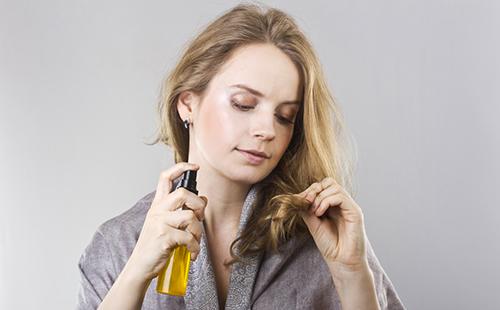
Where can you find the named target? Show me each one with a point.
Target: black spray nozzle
(188, 181)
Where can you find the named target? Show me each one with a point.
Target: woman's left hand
(336, 224)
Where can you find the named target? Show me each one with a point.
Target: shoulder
(115, 239)
(105, 255)
(130, 220)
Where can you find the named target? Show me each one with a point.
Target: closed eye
(282, 119)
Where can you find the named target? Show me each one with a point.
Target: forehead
(263, 67)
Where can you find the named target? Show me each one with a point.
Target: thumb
(311, 220)
(302, 195)
(200, 213)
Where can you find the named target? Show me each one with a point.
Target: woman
(273, 230)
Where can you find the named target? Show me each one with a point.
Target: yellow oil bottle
(173, 278)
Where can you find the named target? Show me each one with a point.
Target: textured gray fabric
(201, 292)
(295, 278)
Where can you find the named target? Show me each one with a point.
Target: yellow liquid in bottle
(173, 278)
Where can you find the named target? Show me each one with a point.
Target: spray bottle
(173, 278)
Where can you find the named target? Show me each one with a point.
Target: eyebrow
(259, 94)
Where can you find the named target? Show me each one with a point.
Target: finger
(182, 237)
(317, 187)
(330, 201)
(313, 190)
(168, 176)
(328, 181)
(200, 213)
(188, 200)
(195, 228)
(301, 195)
(181, 197)
(328, 191)
(180, 219)
(304, 193)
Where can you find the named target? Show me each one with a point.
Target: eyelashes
(244, 108)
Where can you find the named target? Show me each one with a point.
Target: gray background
(417, 81)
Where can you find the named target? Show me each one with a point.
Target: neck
(225, 201)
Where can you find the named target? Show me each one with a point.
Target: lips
(254, 159)
(256, 153)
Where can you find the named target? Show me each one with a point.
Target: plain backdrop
(417, 81)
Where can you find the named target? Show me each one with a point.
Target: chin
(249, 174)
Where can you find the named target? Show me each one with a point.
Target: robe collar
(201, 291)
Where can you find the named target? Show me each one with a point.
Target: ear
(186, 104)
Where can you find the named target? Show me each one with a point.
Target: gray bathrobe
(296, 278)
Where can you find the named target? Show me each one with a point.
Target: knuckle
(164, 174)
(163, 231)
(178, 220)
(192, 216)
(175, 197)
(181, 193)
(176, 236)
(329, 180)
(153, 217)
(320, 196)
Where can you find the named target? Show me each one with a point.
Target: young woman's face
(251, 104)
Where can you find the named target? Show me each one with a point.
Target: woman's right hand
(167, 225)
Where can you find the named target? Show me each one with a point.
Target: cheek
(218, 130)
(283, 141)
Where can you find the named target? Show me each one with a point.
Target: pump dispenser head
(188, 181)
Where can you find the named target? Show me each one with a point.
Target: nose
(263, 126)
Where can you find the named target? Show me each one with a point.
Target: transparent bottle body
(173, 278)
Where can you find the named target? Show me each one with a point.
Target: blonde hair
(320, 146)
